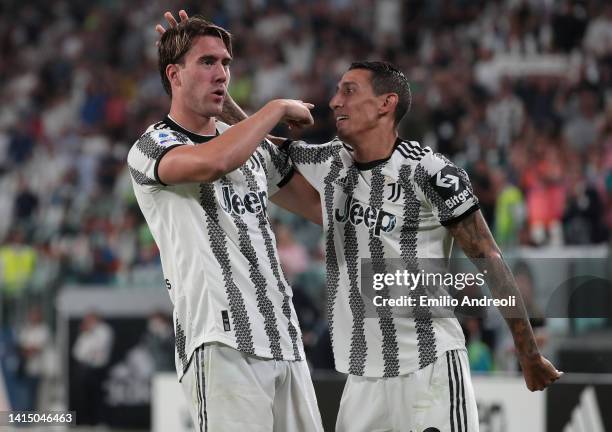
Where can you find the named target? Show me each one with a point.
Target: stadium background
(519, 93)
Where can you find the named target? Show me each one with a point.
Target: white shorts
(437, 398)
(230, 391)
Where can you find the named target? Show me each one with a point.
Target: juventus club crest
(253, 163)
(394, 192)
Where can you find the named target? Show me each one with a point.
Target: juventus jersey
(218, 250)
(393, 208)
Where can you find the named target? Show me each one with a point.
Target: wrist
(278, 107)
(529, 357)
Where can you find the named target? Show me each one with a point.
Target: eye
(208, 61)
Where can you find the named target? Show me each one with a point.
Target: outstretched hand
(171, 21)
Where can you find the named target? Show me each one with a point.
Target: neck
(374, 145)
(192, 121)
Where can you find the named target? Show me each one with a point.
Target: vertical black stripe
(390, 348)
(140, 177)
(264, 227)
(218, 240)
(196, 360)
(426, 338)
(457, 398)
(264, 305)
(450, 392)
(462, 392)
(180, 342)
(359, 348)
(280, 160)
(203, 372)
(331, 260)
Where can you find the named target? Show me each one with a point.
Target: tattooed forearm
(474, 237)
(232, 113)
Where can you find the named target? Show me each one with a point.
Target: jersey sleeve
(445, 188)
(313, 161)
(279, 168)
(145, 155)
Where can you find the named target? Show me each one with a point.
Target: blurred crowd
(518, 92)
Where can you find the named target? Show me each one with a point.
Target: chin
(213, 110)
(343, 136)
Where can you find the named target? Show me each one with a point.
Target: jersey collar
(195, 137)
(363, 166)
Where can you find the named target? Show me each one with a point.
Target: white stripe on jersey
(218, 249)
(404, 188)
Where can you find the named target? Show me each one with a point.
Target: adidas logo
(586, 417)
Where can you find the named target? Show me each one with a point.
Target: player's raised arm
(228, 151)
(474, 237)
(297, 196)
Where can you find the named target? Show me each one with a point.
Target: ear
(172, 72)
(389, 103)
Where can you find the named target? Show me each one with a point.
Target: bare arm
(232, 114)
(299, 197)
(474, 237)
(228, 151)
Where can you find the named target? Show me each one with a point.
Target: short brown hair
(177, 41)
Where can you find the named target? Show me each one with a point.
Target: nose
(222, 73)
(335, 102)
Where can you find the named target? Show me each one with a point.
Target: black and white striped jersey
(218, 250)
(392, 208)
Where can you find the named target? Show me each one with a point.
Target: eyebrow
(346, 84)
(207, 57)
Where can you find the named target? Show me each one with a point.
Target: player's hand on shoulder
(171, 21)
(539, 373)
(296, 113)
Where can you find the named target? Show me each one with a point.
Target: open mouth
(340, 118)
(220, 93)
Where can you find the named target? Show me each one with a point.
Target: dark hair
(177, 41)
(386, 78)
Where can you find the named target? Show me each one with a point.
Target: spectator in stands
(479, 353)
(34, 342)
(582, 219)
(158, 340)
(91, 352)
(17, 263)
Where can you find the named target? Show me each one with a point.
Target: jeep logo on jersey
(251, 202)
(449, 184)
(356, 213)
